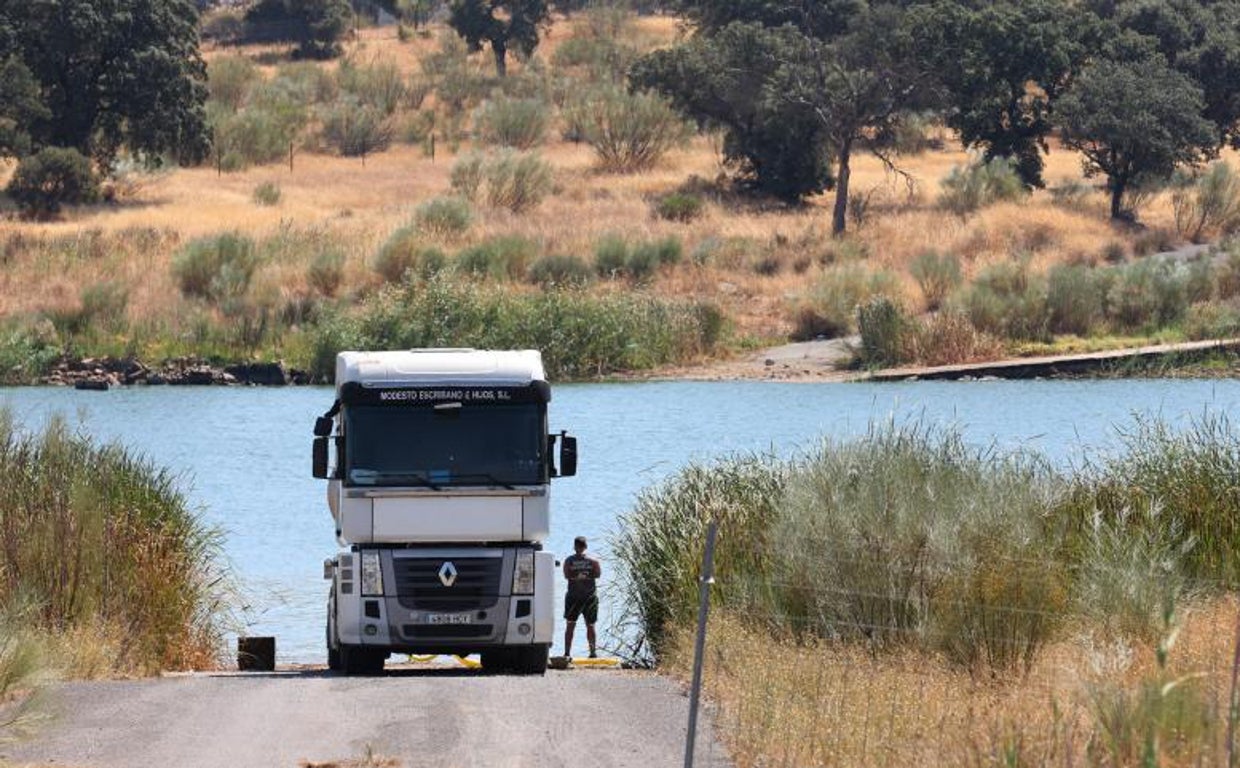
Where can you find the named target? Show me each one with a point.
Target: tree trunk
(1117, 199)
(839, 217)
(500, 49)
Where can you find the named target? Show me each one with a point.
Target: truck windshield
(446, 445)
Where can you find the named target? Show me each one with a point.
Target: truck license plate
(450, 618)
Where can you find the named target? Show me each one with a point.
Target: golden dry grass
(774, 251)
(788, 703)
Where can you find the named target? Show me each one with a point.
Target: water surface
(244, 453)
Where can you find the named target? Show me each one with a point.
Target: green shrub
(1076, 298)
(830, 307)
(501, 258)
(403, 254)
(457, 86)
(560, 270)
(447, 217)
(326, 271)
(1178, 485)
(1212, 320)
(611, 253)
(937, 275)
(1208, 203)
(599, 60)
(981, 183)
(506, 179)
(517, 182)
(378, 85)
(111, 548)
(267, 193)
(1146, 295)
(262, 132)
(103, 306)
(311, 83)
(679, 206)
(229, 79)
(517, 123)
(26, 353)
(1006, 301)
(356, 130)
(659, 545)
(883, 328)
(580, 335)
(216, 268)
(629, 132)
(467, 176)
(51, 178)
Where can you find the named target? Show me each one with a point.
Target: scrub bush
(1007, 301)
(560, 270)
(679, 206)
(446, 217)
(267, 193)
(216, 268)
(326, 272)
(517, 123)
(629, 132)
(229, 79)
(1209, 203)
(378, 85)
(356, 130)
(830, 307)
(501, 258)
(51, 178)
(1076, 298)
(1147, 295)
(507, 179)
(980, 184)
(937, 275)
(884, 329)
(404, 252)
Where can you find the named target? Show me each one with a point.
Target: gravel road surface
(413, 717)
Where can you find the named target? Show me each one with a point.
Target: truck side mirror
(319, 458)
(323, 426)
(568, 456)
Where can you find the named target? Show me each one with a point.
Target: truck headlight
(523, 573)
(372, 574)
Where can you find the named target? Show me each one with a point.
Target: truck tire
(358, 660)
(497, 661)
(532, 660)
(333, 652)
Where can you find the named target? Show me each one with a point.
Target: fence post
(699, 647)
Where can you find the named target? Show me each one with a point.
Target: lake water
(244, 453)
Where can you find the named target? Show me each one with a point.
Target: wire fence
(918, 674)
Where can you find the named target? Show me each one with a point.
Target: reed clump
(905, 597)
(581, 335)
(99, 545)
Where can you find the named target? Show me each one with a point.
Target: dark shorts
(576, 606)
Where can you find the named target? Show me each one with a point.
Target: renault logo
(447, 573)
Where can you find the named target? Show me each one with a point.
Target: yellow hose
(596, 662)
(468, 662)
(421, 659)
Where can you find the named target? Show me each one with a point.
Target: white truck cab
(439, 464)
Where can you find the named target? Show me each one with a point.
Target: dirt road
(414, 717)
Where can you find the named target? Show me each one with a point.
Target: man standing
(582, 571)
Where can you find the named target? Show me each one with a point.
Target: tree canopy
(503, 24)
(1135, 121)
(108, 74)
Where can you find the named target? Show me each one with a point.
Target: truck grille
(419, 588)
(446, 631)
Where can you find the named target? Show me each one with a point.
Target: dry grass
(359, 205)
(790, 703)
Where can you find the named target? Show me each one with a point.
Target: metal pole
(699, 648)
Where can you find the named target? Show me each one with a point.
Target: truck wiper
(408, 479)
(489, 478)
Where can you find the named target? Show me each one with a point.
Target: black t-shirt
(581, 582)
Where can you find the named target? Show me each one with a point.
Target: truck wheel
(333, 653)
(532, 660)
(356, 660)
(497, 661)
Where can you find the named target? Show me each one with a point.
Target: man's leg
(590, 638)
(569, 628)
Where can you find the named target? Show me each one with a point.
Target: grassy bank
(103, 563)
(321, 233)
(904, 598)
